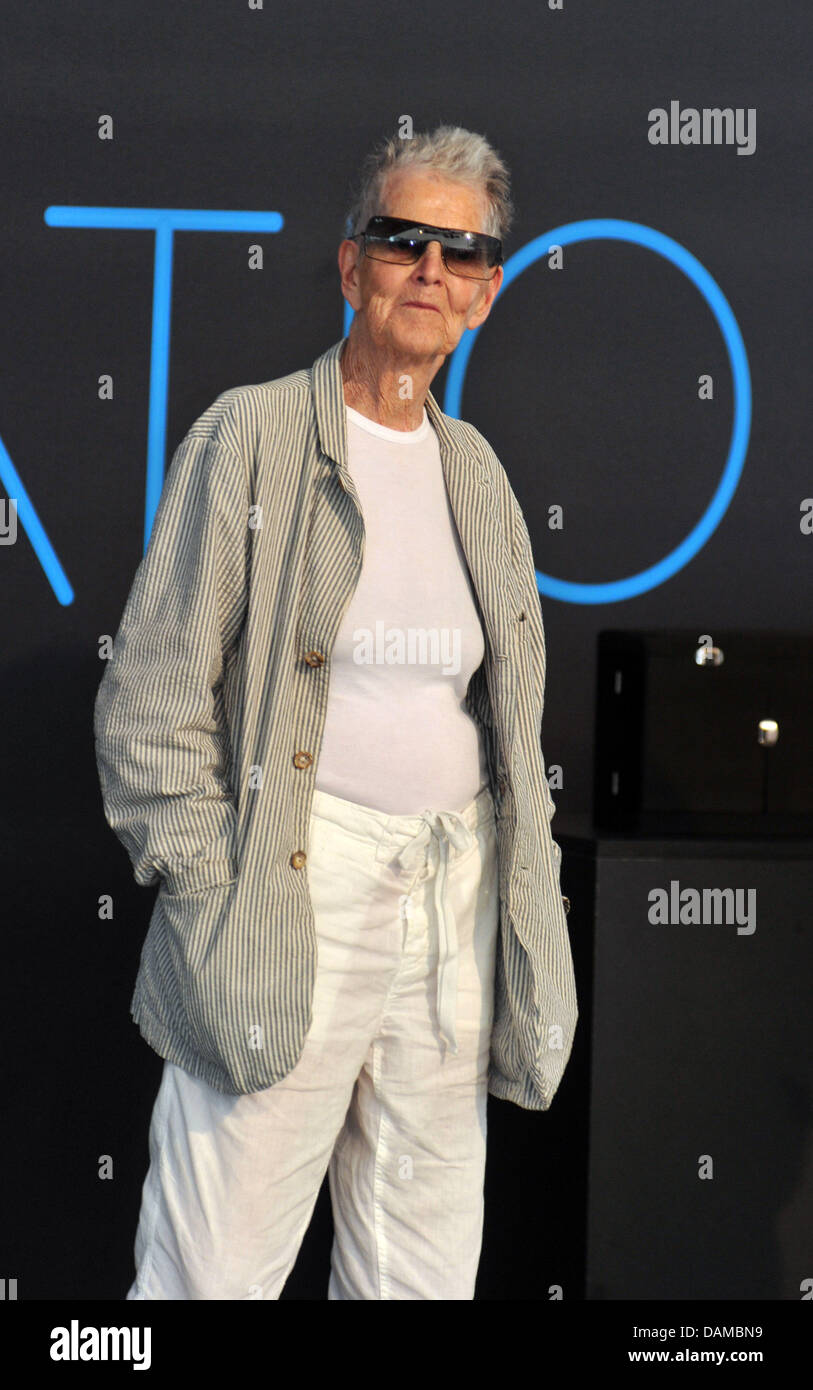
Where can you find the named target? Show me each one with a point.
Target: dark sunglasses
(402, 242)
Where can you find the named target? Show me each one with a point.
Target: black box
(684, 743)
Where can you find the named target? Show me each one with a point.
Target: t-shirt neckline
(386, 432)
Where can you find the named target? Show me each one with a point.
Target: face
(387, 295)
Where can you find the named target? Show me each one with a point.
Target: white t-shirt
(397, 735)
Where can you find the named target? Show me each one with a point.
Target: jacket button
(298, 858)
(314, 658)
(303, 759)
(566, 903)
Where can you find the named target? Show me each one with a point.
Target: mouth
(414, 304)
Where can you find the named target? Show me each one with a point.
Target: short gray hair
(448, 152)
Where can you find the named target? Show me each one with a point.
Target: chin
(419, 336)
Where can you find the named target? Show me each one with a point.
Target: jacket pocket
(192, 947)
(194, 921)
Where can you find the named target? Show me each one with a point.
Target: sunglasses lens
(468, 261)
(400, 249)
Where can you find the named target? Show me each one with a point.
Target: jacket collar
(331, 418)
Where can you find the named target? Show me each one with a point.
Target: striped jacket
(209, 719)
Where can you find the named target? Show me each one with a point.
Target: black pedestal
(700, 1086)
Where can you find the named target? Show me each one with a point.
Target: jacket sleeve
(162, 754)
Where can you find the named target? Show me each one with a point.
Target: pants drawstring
(439, 830)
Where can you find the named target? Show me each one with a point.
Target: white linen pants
(389, 1095)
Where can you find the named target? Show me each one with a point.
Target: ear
(348, 258)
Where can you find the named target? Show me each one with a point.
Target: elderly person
(319, 731)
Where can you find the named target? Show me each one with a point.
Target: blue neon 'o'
(603, 228)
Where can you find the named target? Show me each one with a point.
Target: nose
(430, 264)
